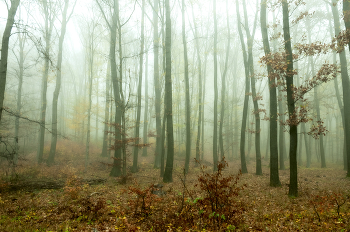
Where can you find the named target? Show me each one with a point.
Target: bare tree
(65, 19)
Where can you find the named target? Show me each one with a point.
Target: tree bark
(187, 91)
(22, 40)
(274, 176)
(293, 130)
(4, 51)
(316, 100)
(107, 110)
(138, 116)
(246, 97)
(56, 93)
(200, 92)
(250, 39)
(168, 173)
(343, 62)
(346, 89)
(215, 133)
(157, 89)
(223, 85)
(145, 115)
(49, 21)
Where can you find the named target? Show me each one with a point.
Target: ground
(112, 206)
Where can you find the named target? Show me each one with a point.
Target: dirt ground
(323, 203)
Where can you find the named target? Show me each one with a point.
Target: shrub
(218, 206)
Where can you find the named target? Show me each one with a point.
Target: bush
(218, 207)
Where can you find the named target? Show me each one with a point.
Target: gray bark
(58, 84)
(4, 50)
(168, 173)
(215, 133)
(274, 176)
(138, 116)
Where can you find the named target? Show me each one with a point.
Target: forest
(174, 115)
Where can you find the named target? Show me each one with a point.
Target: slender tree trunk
(346, 89)
(48, 30)
(157, 89)
(246, 97)
(145, 115)
(116, 170)
(215, 133)
(168, 173)
(56, 93)
(343, 65)
(200, 92)
(22, 40)
(138, 116)
(316, 100)
(187, 91)
(274, 176)
(223, 84)
(107, 110)
(254, 94)
(91, 76)
(293, 185)
(4, 51)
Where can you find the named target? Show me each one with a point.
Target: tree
(293, 130)
(274, 176)
(255, 97)
(157, 89)
(56, 93)
(104, 152)
(246, 96)
(168, 173)
(335, 30)
(112, 26)
(145, 115)
(223, 84)
(11, 13)
(215, 133)
(346, 88)
(20, 58)
(200, 90)
(137, 126)
(316, 100)
(187, 91)
(49, 10)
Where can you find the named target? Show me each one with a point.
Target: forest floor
(323, 203)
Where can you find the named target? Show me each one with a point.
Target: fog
(87, 110)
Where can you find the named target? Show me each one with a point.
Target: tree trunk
(346, 89)
(157, 89)
(246, 96)
(107, 110)
(116, 170)
(48, 30)
(168, 174)
(187, 91)
(138, 116)
(145, 115)
(274, 176)
(56, 93)
(215, 133)
(22, 40)
(316, 101)
(343, 65)
(293, 130)
(91, 76)
(4, 51)
(200, 92)
(250, 39)
(223, 84)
